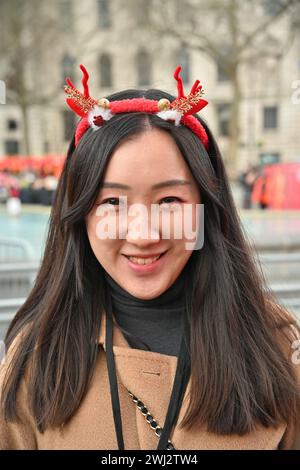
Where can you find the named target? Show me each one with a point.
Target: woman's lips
(147, 268)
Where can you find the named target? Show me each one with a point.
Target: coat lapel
(149, 376)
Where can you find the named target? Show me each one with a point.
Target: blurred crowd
(33, 181)
(29, 186)
(274, 186)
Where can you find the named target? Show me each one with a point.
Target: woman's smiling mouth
(145, 263)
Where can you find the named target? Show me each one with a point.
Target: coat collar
(121, 347)
(118, 337)
(150, 375)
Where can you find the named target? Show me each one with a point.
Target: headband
(95, 113)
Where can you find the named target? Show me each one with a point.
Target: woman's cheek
(107, 226)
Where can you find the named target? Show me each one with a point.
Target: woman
(115, 351)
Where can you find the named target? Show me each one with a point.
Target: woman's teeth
(143, 260)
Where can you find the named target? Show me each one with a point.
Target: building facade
(120, 52)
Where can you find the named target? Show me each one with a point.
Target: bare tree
(27, 31)
(231, 33)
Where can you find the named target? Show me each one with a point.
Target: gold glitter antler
(188, 104)
(80, 103)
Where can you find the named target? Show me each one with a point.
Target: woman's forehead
(153, 154)
(150, 142)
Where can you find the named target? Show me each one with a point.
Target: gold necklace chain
(150, 419)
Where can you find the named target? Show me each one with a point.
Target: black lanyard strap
(112, 375)
(179, 385)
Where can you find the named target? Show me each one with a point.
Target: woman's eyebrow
(162, 184)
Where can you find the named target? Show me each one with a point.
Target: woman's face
(135, 181)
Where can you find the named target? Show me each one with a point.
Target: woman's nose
(143, 228)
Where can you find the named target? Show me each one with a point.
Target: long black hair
(240, 373)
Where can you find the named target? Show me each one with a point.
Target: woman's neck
(154, 323)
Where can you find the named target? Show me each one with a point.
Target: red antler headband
(94, 113)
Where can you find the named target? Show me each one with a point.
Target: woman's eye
(114, 201)
(170, 197)
(108, 200)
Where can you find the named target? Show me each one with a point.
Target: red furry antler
(192, 103)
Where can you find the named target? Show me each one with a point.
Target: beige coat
(149, 376)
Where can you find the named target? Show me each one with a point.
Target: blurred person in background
(247, 180)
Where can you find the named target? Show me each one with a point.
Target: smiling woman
(155, 172)
(115, 348)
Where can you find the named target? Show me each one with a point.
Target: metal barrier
(9, 307)
(282, 271)
(15, 249)
(16, 279)
(7, 312)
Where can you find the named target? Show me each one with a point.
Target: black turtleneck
(154, 324)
